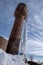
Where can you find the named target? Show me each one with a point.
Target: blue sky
(34, 43)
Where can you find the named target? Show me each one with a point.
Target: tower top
(21, 10)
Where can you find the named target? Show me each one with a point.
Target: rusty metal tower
(14, 40)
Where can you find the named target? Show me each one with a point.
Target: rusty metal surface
(14, 40)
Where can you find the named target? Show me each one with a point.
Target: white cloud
(34, 47)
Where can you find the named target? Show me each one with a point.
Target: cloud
(35, 20)
(34, 47)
